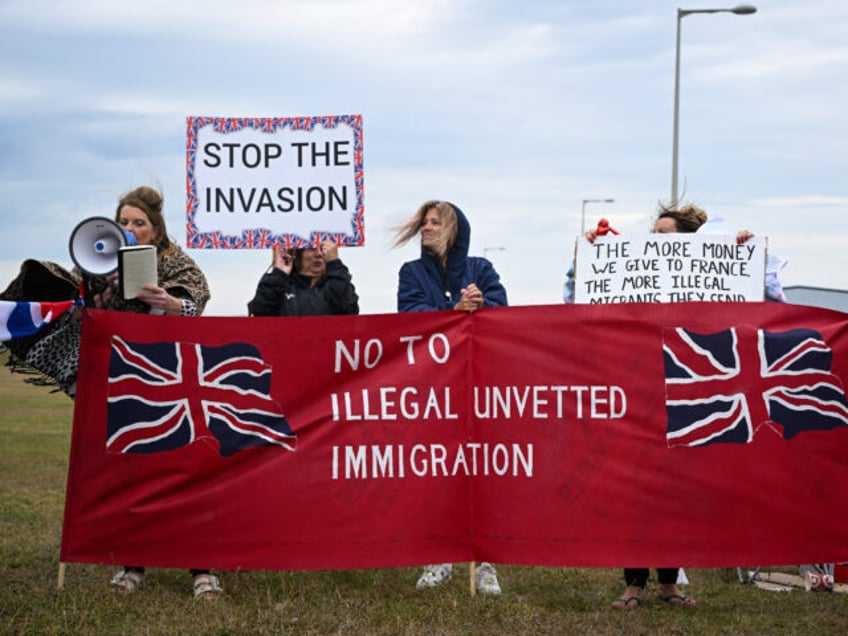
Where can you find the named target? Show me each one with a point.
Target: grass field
(35, 430)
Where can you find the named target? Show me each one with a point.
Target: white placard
(258, 182)
(663, 268)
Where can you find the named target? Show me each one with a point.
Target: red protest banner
(693, 434)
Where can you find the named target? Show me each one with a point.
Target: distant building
(818, 297)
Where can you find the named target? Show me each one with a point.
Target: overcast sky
(516, 111)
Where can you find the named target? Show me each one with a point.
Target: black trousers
(135, 568)
(639, 576)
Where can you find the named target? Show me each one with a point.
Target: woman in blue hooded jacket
(445, 277)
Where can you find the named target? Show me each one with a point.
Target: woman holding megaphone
(181, 289)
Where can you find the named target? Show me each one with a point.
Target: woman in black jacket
(305, 282)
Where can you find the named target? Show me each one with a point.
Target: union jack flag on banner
(165, 395)
(721, 387)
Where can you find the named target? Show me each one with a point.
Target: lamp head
(744, 9)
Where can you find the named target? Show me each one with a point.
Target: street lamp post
(742, 9)
(583, 211)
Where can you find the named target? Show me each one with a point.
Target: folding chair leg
(750, 577)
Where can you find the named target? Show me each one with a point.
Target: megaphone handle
(87, 291)
(90, 289)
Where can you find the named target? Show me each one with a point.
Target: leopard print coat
(53, 353)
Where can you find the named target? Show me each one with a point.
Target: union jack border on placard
(264, 238)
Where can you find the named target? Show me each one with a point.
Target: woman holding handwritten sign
(686, 219)
(689, 219)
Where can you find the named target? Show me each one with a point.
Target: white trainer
(487, 579)
(434, 575)
(127, 581)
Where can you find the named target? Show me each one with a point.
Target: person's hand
(330, 251)
(472, 299)
(104, 298)
(591, 235)
(282, 259)
(159, 299)
(743, 235)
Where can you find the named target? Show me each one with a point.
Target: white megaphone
(94, 245)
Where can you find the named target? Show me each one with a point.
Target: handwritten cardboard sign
(259, 182)
(663, 268)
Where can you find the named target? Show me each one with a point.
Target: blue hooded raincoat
(424, 286)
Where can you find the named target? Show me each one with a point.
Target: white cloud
(17, 90)
(267, 19)
(803, 201)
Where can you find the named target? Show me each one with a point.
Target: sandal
(207, 586)
(679, 599)
(626, 603)
(127, 581)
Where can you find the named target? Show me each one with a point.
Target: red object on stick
(604, 228)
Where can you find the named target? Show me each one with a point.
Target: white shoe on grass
(487, 579)
(434, 575)
(127, 581)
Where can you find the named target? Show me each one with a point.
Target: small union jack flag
(721, 387)
(20, 318)
(215, 240)
(166, 395)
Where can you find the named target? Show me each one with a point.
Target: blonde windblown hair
(447, 214)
